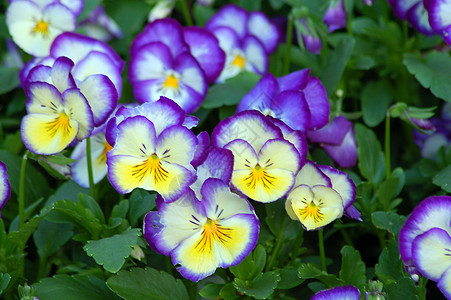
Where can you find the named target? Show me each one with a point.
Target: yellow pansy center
(60, 124)
(258, 176)
(151, 166)
(41, 27)
(106, 147)
(171, 82)
(311, 211)
(239, 61)
(212, 232)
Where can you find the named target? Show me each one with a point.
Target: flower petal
(261, 27)
(5, 187)
(202, 149)
(318, 103)
(340, 293)
(279, 154)
(431, 253)
(230, 16)
(341, 183)
(261, 95)
(418, 17)
(61, 74)
(311, 175)
(333, 133)
(439, 12)
(444, 284)
(294, 81)
(43, 98)
(150, 62)
(292, 108)
(176, 145)
(256, 56)
(79, 110)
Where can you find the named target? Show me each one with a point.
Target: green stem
(286, 63)
(22, 190)
(422, 284)
(387, 147)
(346, 237)
(276, 250)
(186, 13)
(90, 174)
(322, 253)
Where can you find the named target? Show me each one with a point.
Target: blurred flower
(161, 10)
(5, 188)
(298, 99)
(200, 235)
(338, 140)
(145, 157)
(335, 17)
(54, 119)
(425, 242)
(349, 292)
(34, 25)
(246, 38)
(12, 56)
(161, 65)
(265, 164)
(100, 26)
(307, 34)
(438, 13)
(415, 13)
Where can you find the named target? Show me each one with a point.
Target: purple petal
(261, 95)
(332, 134)
(400, 7)
(294, 81)
(25, 71)
(318, 103)
(39, 73)
(202, 149)
(256, 56)
(249, 125)
(149, 62)
(167, 31)
(151, 228)
(446, 33)
(341, 292)
(291, 107)
(205, 48)
(5, 187)
(444, 284)
(76, 6)
(419, 19)
(218, 164)
(431, 212)
(335, 17)
(190, 121)
(259, 26)
(438, 11)
(345, 154)
(312, 43)
(230, 16)
(341, 183)
(227, 38)
(61, 74)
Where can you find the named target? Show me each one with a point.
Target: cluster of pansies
(428, 17)
(425, 242)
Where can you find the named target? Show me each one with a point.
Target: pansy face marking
(41, 27)
(314, 207)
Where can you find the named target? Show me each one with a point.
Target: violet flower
(307, 34)
(335, 17)
(5, 188)
(100, 26)
(349, 292)
(298, 99)
(338, 140)
(415, 13)
(439, 17)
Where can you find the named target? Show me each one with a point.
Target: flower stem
(90, 174)
(276, 250)
(22, 190)
(322, 253)
(387, 146)
(286, 63)
(186, 13)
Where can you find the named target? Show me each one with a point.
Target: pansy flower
(439, 17)
(265, 164)
(161, 65)
(335, 17)
(200, 235)
(425, 242)
(415, 13)
(349, 292)
(246, 38)
(54, 119)
(5, 188)
(145, 157)
(34, 25)
(100, 26)
(308, 36)
(298, 99)
(338, 140)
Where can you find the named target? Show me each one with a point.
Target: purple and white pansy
(247, 39)
(425, 242)
(34, 24)
(415, 13)
(297, 99)
(440, 17)
(349, 292)
(5, 188)
(200, 235)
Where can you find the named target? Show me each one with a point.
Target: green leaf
(228, 292)
(202, 14)
(231, 91)
(279, 223)
(352, 267)
(387, 191)
(75, 287)
(289, 278)
(49, 237)
(402, 290)
(310, 271)
(111, 252)
(252, 265)
(388, 220)
(442, 179)
(147, 284)
(250, 5)
(376, 97)
(9, 77)
(390, 266)
(371, 158)
(67, 191)
(211, 290)
(120, 210)
(88, 7)
(261, 287)
(433, 71)
(92, 205)
(141, 202)
(4, 281)
(335, 62)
